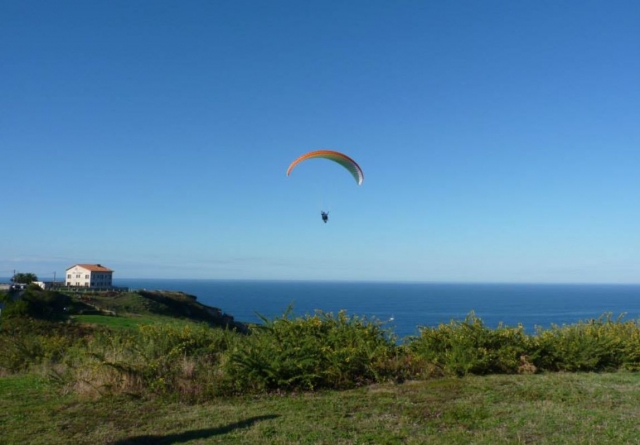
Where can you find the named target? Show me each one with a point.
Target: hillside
(178, 305)
(141, 305)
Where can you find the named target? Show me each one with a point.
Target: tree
(24, 278)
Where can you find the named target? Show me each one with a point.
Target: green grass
(127, 321)
(506, 409)
(128, 302)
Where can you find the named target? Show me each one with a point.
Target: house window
(68, 275)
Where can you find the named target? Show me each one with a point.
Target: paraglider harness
(325, 216)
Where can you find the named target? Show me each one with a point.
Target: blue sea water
(406, 306)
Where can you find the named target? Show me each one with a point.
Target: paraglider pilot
(325, 216)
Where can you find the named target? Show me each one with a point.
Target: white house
(89, 275)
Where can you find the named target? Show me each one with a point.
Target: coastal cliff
(173, 304)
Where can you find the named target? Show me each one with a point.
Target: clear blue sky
(500, 140)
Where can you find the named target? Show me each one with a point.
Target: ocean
(404, 307)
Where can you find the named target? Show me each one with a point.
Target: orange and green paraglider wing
(334, 156)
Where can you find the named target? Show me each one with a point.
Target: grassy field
(558, 408)
(126, 321)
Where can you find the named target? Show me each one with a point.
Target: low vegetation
(165, 349)
(548, 408)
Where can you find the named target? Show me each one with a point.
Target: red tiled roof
(92, 267)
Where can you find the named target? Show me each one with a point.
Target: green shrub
(311, 352)
(168, 359)
(26, 343)
(195, 362)
(36, 303)
(15, 309)
(469, 347)
(595, 345)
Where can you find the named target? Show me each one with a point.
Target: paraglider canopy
(334, 156)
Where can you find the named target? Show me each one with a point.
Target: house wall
(81, 277)
(77, 276)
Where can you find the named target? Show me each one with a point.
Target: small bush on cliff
(36, 303)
